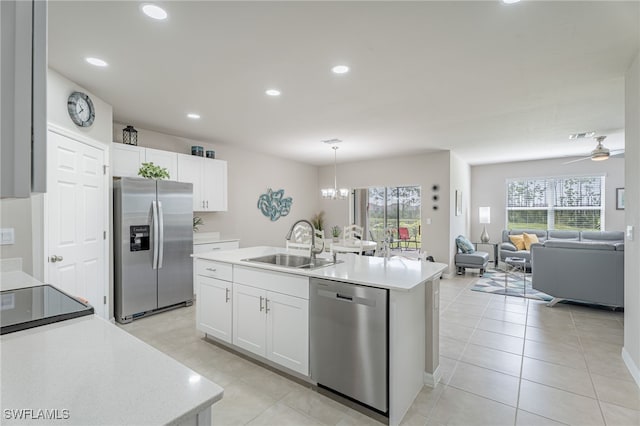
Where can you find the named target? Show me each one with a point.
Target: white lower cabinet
(263, 312)
(272, 325)
(288, 331)
(249, 319)
(214, 307)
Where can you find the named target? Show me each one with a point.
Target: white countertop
(396, 273)
(100, 373)
(210, 237)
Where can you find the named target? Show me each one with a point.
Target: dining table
(350, 246)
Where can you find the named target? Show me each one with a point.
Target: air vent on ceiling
(582, 135)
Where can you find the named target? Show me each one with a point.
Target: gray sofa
(507, 249)
(588, 269)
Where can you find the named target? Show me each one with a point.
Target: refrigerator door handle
(161, 227)
(154, 220)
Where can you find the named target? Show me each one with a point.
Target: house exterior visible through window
(556, 203)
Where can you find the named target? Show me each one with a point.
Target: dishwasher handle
(347, 299)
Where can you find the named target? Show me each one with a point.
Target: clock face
(80, 108)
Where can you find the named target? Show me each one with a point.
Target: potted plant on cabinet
(317, 220)
(152, 171)
(335, 233)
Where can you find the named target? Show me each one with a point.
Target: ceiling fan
(600, 152)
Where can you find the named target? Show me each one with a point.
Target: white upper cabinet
(190, 170)
(215, 185)
(166, 159)
(208, 176)
(126, 159)
(209, 179)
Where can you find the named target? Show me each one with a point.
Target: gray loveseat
(589, 268)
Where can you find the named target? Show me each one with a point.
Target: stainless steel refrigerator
(153, 228)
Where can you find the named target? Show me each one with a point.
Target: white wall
(631, 350)
(250, 175)
(25, 215)
(16, 214)
(460, 176)
(488, 186)
(424, 170)
(58, 90)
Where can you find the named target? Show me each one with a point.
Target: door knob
(55, 258)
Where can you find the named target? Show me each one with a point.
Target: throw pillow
(464, 244)
(518, 241)
(529, 239)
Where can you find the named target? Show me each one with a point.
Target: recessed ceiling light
(510, 1)
(155, 12)
(97, 62)
(193, 116)
(272, 92)
(340, 69)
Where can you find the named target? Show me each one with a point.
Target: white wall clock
(81, 110)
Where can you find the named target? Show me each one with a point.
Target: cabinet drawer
(210, 268)
(293, 285)
(227, 245)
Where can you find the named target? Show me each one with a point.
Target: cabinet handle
(266, 305)
(207, 203)
(203, 204)
(261, 307)
(226, 295)
(211, 269)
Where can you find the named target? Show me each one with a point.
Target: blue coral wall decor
(273, 204)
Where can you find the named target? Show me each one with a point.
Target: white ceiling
(490, 81)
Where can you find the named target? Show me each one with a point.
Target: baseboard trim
(631, 366)
(432, 380)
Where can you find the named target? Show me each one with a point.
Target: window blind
(562, 203)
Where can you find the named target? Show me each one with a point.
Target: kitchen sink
(292, 261)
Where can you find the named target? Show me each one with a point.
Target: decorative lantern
(130, 136)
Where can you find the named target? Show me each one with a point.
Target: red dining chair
(405, 238)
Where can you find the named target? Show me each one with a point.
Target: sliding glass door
(398, 209)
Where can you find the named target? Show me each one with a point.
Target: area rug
(493, 282)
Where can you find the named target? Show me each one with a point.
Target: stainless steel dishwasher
(349, 349)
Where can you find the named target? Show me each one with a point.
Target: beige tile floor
(505, 360)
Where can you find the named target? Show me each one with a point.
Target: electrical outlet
(7, 236)
(630, 232)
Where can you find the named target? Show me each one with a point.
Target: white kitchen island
(227, 282)
(87, 371)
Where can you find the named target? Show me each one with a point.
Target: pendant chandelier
(334, 193)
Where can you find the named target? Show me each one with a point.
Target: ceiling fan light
(600, 157)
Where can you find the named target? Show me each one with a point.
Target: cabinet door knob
(226, 295)
(261, 307)
(266, 305)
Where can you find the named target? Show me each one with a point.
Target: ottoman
(475, 260)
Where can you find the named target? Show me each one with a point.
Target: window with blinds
(562, 203)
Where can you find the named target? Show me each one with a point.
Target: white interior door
(76, 211)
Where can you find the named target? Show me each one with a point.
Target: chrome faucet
(314, 250)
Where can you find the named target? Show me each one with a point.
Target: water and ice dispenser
(139, 237)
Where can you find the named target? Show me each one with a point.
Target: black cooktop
(30, 307)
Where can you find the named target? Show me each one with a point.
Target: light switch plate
(7, 236)
(630, 232)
